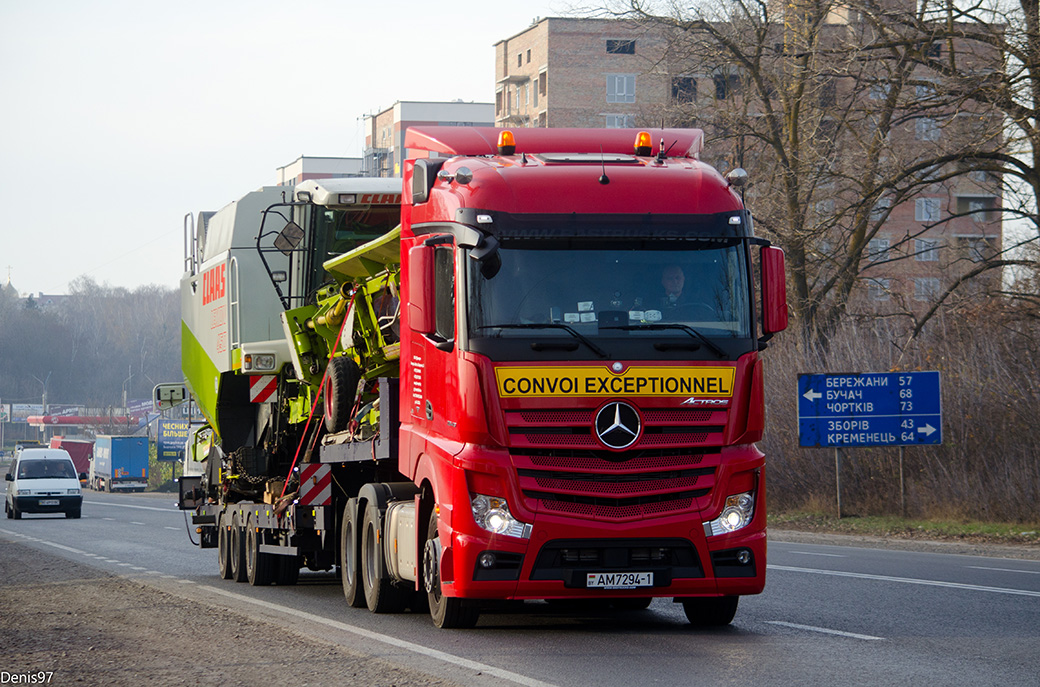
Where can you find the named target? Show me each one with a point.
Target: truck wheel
(259, 565)
(447, 612)
(224, 552)
(74, 514)
(340, 389)
(286, 570)
(381, 594)
(711, 612)
(348, 557)
(237, 553)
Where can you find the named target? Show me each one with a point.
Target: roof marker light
(506, 143)
(644, 144)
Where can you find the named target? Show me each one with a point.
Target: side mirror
(289, 238)
(9, 477)
(421, 306)
(774, 292)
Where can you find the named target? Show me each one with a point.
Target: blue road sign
(869, 409)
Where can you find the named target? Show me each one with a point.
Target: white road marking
(134, 522)
(386, 639)
(816, 553)
(138, 568)
(823, 630)
(908, 580)
(127, 505)
(1027, 572)
(175, 529)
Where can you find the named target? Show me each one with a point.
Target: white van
(43, 480)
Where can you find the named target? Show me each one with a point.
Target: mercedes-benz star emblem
(617, 425)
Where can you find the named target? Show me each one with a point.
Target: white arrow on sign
(927, 430)
(812, 395)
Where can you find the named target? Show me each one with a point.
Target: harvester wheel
(340, 389)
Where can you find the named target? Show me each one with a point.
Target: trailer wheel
(340, 389)
(381, 594)
(237, 553)
(259, 566)
(224, 552)
(447, 612)
(711, 612)
(349, 551)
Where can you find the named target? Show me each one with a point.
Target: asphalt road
(829, 615)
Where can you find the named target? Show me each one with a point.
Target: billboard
(172, 436)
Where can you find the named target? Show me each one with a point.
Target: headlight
(23, 492)
(258, 361)
(492, 514)
(736, 514)
(73, 492)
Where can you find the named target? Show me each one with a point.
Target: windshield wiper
(685, 327)
(565, 327)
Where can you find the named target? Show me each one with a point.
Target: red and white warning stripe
(263, 388)
(315, 485)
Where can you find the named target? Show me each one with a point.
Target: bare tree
(842, 118)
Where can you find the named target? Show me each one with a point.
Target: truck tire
(224, 552)
(711, 612)
(286, 570)
(237, 551)
(75, 514)
(259, 566)
(340, 390)
(381, 594)
(349, 555)
(447, 612)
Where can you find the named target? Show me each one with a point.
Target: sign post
(869, 409)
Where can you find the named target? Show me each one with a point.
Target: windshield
(338, 230)
(608, 289)
(46, 469)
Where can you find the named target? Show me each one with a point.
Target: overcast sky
(119, 118)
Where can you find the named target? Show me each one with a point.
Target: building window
(926, 250)
(926, 288)
(726, 85)
(498, 102)
(926, 209)
(879, 289)
(880, 91)
(975, 248)
(543, 83)
(877, 249)
(620, 121)
(543, 119)
(520, 59)
(620, 47)
(926, 129)
(979, 208)
(684, 89)
(528, 57)
(880, 209)
(621, 88)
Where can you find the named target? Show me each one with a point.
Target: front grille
(562, 467)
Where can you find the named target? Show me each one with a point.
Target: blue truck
(120, 463)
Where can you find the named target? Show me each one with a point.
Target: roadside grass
(904, 528)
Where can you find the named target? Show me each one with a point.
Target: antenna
(603, 179)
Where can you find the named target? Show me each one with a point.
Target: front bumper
(48, 504)
(560, 557)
